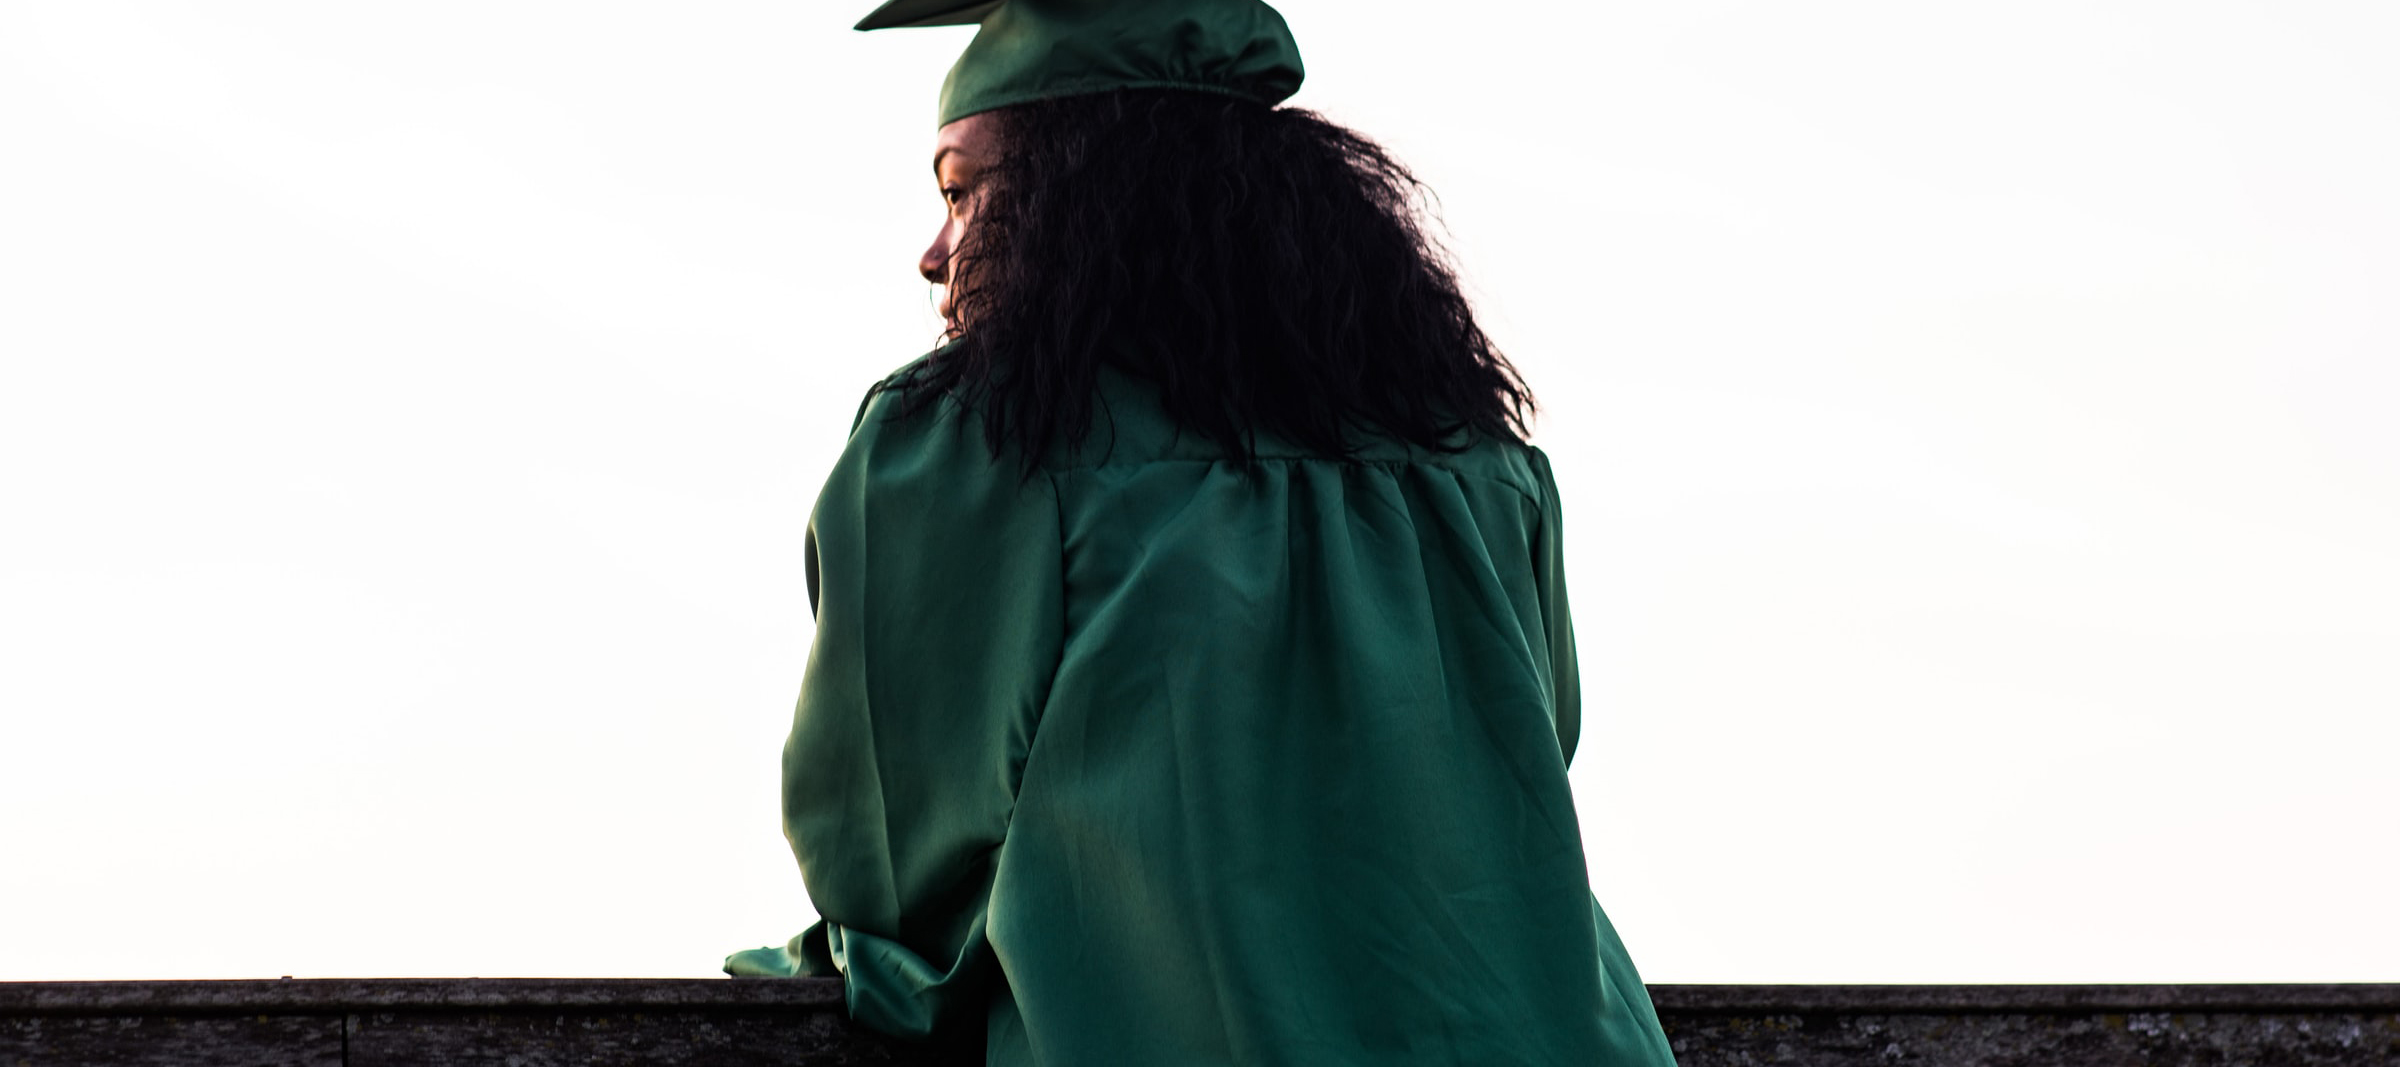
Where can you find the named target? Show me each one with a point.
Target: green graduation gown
(1147, 760)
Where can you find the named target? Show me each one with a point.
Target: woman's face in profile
(961, 154)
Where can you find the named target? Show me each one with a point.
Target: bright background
(1975, 420)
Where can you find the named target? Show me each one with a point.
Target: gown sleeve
(1550, 584)
(934, 574)
(1629, 1029)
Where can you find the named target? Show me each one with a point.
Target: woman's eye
(951, 194)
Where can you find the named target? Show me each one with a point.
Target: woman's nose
(935, 263)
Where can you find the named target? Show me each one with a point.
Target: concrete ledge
(402, 1022)
(2020, 999)
(533, 1022)
(2033, 1025)
(337, 996)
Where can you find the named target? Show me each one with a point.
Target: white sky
(1974, 419)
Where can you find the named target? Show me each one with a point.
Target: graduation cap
(1029, 50)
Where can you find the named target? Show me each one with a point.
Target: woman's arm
(1550, 583)
(934, 575)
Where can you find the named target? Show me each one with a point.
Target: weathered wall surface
(2033, 1026)
(421, 1022)
(737, 1023)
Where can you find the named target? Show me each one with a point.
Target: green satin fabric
(1146, 760)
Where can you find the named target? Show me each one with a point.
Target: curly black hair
(1267, 269)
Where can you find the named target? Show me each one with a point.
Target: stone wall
(740, 1022)
(2033, 1026)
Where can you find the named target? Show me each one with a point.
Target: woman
(1193, 680)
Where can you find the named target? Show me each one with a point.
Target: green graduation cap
(1030, 50)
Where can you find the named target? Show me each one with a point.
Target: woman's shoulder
(905, 427)
(888, 392)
